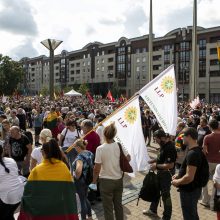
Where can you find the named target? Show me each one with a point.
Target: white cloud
(80, 22)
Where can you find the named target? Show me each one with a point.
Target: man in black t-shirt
(188, 180)
(20, 149)
(164, 164)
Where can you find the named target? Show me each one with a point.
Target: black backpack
(29, 135)
(89, 174)
(150, 190)
(203, 171)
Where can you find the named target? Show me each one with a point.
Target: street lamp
(51, 45)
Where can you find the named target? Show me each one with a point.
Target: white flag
(4, 99)
(130, 134)
(161, 96)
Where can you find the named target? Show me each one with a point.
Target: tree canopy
(11, 74)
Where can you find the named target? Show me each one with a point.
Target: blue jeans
(189, 202)
(82, 190)
(164, 179)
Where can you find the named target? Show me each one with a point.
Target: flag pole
(194, 54)
(150, 43)
(112, 114)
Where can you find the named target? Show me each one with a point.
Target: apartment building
(123, 65)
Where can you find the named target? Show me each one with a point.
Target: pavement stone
(133, 212)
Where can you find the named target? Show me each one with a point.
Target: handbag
(124, 163)
(216, 202)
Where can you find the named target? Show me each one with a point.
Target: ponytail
(1, 160)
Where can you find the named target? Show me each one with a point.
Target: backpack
(203, 171)
(29, 135)
(89, 174)
(150, 190)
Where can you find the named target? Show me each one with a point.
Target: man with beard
(165, 166)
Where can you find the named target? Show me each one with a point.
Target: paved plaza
(132, 211)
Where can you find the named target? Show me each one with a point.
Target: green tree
(83, 88)
(11, 75)
(44, 91)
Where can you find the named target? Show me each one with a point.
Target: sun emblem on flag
(168, 84)
(131, 115)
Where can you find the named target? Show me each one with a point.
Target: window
(88, 63)
(137, 50)
(121, 50)
(167, 57)
(103, 53)
(57, 74)
(157, 58)
(184, 46)
(77, 71)
(202, 53)
(129, 49)
(143, 68)
(72, 65)
(121, 59)
(78, 65)
(213, 51)
(110, 67)
(138, 60)
(157, 48)
(103, 61)
(57, 67)
(32, 69)
(214, 39)
(57, 80)
(144, 50)
(97, 54)
(32, 74)
(138, 68)
(88, 55)
(84, 70)
(72, 79)
(97, 61)
(97, 68)
(103, 68)
(84, 56)
(214, 73)
(72, 72)
(84, 63)
(167, 48)
(214, 62)
(144, 59)
(88, 70)
(110, 59)
(202, 43)
(156, 67)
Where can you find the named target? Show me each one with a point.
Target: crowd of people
(66, 183)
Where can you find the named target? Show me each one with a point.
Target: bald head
(15, 132)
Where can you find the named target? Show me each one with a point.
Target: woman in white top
(11, 187)
(36, 155)
(68, 136)
(216, 179)
(107, 168)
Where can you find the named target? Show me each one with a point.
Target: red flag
(110, 97)
(61, 93)
(89, 97)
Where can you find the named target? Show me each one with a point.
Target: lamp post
(51, 45)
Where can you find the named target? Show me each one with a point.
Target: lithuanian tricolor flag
(49, 193)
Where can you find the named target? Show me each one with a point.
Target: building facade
(123, 65)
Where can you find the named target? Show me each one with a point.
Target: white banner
(161, 96)
(130, 134)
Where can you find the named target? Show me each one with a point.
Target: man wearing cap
(165, 166)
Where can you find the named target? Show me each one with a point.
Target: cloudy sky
(24, 23)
